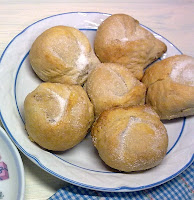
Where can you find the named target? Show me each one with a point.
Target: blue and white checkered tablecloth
(181, 187)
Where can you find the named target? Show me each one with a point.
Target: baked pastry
(62, 54)
(111, 84)
(121, 39)
(130, 139)
(170, 86)
(58, 116)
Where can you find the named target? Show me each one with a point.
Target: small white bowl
(12, 188)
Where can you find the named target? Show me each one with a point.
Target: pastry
(58, 116)
(170, 86)
(111, 84)
(130, 139)
(62, 54)
(121, 39)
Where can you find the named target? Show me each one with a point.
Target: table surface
(172, 19)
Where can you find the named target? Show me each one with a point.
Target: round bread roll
(130, 139)
(58, 116)
(111, 85)
(120, 39)
(62, 54)
(170, 86)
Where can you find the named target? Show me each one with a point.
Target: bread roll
(111, 85)
(58, 116)
(130, 139)
(121, 39)
(62, 54)
(170, 86)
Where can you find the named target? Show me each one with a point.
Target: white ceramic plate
(81, 165)
(13, 187)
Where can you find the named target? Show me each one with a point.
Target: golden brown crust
(120, 39)
(62, 54)
(130, 139)
(111, 85)
(170, 86)
(57, 116)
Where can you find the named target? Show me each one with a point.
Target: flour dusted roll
(62, 54)
(111, 84)
(58, 116)
(170, 86)
(121, 39)
(130, 139)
